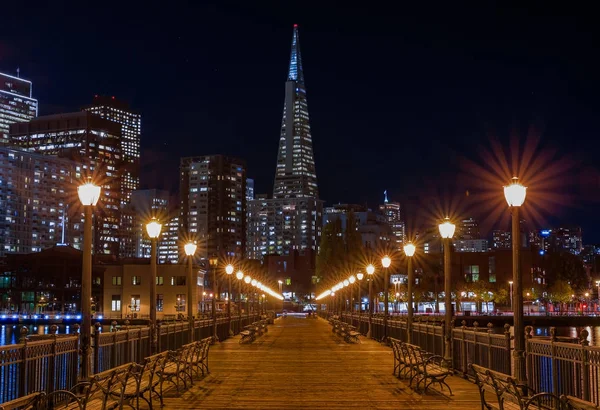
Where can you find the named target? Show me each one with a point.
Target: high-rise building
(290, 222)
(213, 204)
(249, 189)
(564, 238)
(16, 103)
(35, 194)
(131, 125)
(374, 229)
(295, 175)
(470, 245)
(501, 239)
(93, 142)
(468, 229)
(391, 210)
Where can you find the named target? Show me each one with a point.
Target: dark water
(10, 334)
(593, 332)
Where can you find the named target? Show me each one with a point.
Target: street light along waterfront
(190, 250)
(153, 229)
(409, 251)
(447, 229)
(515, 197)
(385, 262)
(229, 270)
(88, 195)
(370, 271)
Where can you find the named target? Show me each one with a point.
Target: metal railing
(52, 362)
(563, 368)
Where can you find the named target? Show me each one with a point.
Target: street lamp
(239, 275)
(409, 251)
(351, 279)
(447, 231)
(515, 197)
(385, 262)
(370, 272)
(510, 283)
(153, 229)
(229, 271)
(247, 280)
(360, 277)
(88, 195)
(190, 250)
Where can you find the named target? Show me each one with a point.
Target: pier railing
(52, 362)
(563, 368)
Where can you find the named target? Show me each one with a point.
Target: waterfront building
(213, 205)
(16, 103)
(36, 198)
(93, 142)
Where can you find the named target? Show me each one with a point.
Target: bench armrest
(437, 360)
(543, 400)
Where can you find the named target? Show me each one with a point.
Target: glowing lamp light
(239, 275)
(370, 269)
(447, 229)
(88, 193)
(229, 269)
(340, 285)
(346, 282)
(352, 279)
(259, 285)
(190, 248)
(515, 193)
(409, 249)
(254, 282)
(386, 261)
(360, 275)
(153, 228)
(247, 279)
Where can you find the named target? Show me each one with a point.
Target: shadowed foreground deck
(300, 364)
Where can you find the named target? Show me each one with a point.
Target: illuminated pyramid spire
(295, 176)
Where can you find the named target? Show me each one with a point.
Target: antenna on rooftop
(18, 72)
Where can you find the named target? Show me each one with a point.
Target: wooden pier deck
(300, 364)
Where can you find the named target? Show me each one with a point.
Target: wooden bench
(351, 335)
(575, 403)
(33, 401)
(501, 391)
(248, 334)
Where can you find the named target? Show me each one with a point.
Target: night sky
(399, 99)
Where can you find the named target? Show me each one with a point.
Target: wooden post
(490, 326)
(96, 350)
(50, 385)
(23, 371)
(585, 365)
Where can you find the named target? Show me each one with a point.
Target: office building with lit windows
(93, 142)
(16, 103)
(213, 205)
(35, 194)
(131, 127)
(391, 210)
(291, 221)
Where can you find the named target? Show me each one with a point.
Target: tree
(560, 292)
(566, 267)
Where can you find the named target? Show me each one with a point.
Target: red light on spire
(113, 97)
(295, 26)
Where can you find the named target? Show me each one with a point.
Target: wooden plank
(300, 363)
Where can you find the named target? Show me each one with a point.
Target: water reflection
(10, 334)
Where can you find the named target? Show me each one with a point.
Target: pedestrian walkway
(300, 364)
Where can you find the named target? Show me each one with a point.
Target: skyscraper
(291, 221)
(391, 210)
(295, 176)
(16, 103)
(94, 143)
(213, 205)
(131, 125)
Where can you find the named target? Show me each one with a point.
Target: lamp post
(515, 197)
(351, 279)
(409, 251)
(385, 262)
(346, 283)
(370, 272)
(88, 195)
(190, 250)
(229, 271)
(447, 231)
(359, 276)
(510, 283)
(153, 229)
(253, 283)
(597, 284)
(239, 275)
(247, 280)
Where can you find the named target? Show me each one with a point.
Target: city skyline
(536, 101)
